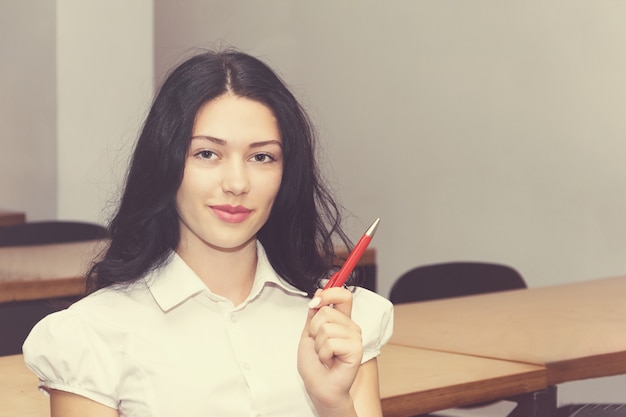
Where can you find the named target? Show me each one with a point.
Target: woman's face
(233, 170)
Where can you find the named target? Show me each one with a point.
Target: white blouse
(167, 346)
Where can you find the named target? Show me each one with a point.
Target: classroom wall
(28, 145)
(482, 130)
(104, 86)
(75, 81)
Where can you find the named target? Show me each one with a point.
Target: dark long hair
(298, 236)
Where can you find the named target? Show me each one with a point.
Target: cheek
(197, 182)
(181, 200)
(183, 191)
(273, 186)
(191, 188)
(266, 189)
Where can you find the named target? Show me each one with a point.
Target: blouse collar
(175, 282)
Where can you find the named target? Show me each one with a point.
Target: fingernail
(315, 302)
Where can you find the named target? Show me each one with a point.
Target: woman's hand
(330, 352)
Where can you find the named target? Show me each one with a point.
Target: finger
(307, 324)
(339, 297)
(327, 316)
(331, 331)
(335, 351)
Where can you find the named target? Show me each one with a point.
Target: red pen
(340, 277)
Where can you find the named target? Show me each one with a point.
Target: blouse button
(246, 366)
(233, 317)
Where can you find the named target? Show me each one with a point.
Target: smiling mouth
(231, 214)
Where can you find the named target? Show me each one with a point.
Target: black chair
(454, 279)
(48, 232)
(17, 318)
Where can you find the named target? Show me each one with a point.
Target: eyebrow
(211, 139)
(252, 145)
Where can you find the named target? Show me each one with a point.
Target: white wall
(478, 130)
(27, 107)
(75, 82)
(104, 86)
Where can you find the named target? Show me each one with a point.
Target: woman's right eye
(205, 154)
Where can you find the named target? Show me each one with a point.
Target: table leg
(540, 403)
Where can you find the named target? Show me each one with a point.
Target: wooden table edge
(407, 405)
(597, 366)
(41, 289)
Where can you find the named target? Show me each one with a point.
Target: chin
(230, 245)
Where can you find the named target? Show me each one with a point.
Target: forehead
(231, 118)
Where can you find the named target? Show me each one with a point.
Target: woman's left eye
(263, 158)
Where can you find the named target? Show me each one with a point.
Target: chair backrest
(454, 279)
(46, 232)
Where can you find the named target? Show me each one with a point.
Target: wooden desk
(412, 381)
(576, 331)
(50, 271)
(415, 381)
(45, 271)
(9, 218)
(19, 395)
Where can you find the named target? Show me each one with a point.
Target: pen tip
(372, 229)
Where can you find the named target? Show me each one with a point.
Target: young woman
(207, 300)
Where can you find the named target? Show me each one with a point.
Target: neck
(228, 273)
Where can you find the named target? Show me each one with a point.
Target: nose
(235, 178)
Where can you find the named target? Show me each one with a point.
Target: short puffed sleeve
(70, 354)
(374, 314)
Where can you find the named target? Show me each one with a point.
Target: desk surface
(19, 395)
(58, 270)
(415, 381)
(576, 331)
(9, 218)
(45, 271)
(412, 381)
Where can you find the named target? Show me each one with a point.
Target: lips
(231, 214)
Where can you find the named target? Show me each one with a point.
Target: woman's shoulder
(116, 298)
(107, 304)
(102, 314)
(66, 348)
